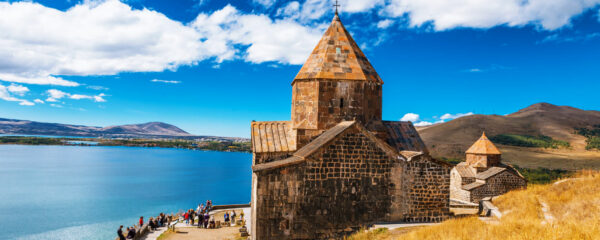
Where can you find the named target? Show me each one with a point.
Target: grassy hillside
(540, 141)
(541, 135)
(572, 211)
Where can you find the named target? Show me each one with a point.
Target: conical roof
(337, 56)
(483, 146)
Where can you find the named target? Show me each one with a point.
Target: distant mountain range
(150, 130)
(451, 139)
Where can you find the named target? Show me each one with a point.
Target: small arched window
(341, 103)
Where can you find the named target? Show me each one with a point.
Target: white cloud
(353, 6)
(474, 70)
(265, 3)
(165, 81)
(283, 41)
(92, 38)
(5, 94)
(449, 116)
(290, 10)
(447, 14)
(98, 88)
(56, 105)
(18, 89)
(40, 45)
(26, 103)
(416, 119)
(38, 101)
(383, 24)
(55, 95)
(423, 124)
(413, 117)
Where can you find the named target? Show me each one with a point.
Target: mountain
(151, 129)
(451, 139)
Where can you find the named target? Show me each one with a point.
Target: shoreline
(243, 147)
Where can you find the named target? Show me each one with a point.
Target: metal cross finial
(336, 5)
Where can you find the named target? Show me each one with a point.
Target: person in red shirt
(141, 221)
(186, 217)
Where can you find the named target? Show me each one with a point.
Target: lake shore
(223, 146)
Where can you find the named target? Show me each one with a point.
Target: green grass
(592, 135)
(452, 161)
(540, 141)
(30, 141)
(543, 175)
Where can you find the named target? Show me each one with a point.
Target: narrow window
(341, 103)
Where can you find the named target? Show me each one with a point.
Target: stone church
(483, 174)
(336, 165)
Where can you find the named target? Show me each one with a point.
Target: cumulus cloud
(18, 89)
(283, 41)
(290, 10)
(353, 6)
(265, 3)
(412, 117)
(38, 101)
(449, 116)
(383, 24)
(165, 81)
(54, 95)
(5, 94)
(448, 14)
(416, 118)
(41, 45)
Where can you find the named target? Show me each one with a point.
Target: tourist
(141, 221)
(131, 233)
(206, 217)
(120, 233)
(226, 217)
(186, 217)
(200, 220)
(151, 224)
(156, 223)
(233, 218)
(212, 223)
(192, 216)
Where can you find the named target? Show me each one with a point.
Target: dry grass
(574, 206)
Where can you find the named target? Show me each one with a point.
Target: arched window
(341, 102)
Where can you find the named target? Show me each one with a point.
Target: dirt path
(226, 233)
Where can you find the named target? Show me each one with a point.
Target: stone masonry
(336, 166)
(483, 174)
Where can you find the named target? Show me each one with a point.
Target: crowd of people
(193, 217)
(153, 223)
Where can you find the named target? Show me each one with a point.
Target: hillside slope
(568, 209)
(451, 139)
(11, 126)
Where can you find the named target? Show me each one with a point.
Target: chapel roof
(338, 57)
(483, 146)
(273, 136)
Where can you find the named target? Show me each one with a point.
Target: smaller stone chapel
(483, 174)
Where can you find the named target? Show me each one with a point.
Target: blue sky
(212, 66)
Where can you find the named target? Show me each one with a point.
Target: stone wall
(456, 191)
(483, 161)
(304, 104)
(278, 199)
(499, 184)
(347, 184)
(348, 100)
(427, 183)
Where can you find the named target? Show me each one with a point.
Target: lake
(79, 192)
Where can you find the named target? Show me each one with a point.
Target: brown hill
(451, 139)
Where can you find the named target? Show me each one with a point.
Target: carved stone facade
(336, 166)
(483, 174)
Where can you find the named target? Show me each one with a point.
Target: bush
(540, 141)
(543, 175)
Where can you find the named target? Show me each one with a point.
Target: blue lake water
(78, 192)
